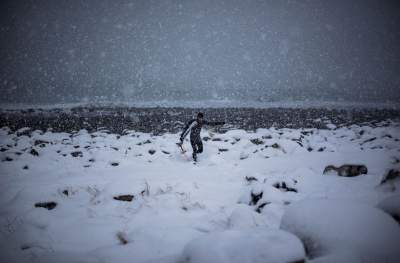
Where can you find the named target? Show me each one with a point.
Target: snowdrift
(338, 227)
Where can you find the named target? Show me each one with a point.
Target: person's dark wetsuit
(194, 127)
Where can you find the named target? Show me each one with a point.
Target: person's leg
(199, 145)
(194, 146)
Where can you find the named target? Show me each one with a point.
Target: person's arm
(187, 129)
(213, 123)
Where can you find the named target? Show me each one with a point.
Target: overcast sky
(94, 50)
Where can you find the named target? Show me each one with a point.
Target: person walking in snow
(194, 127)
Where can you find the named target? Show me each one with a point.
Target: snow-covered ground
(252, 197)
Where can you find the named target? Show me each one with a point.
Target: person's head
(200, 116)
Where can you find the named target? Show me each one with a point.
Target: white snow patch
(252, 246)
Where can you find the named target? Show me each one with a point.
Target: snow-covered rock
(331, 227)
(252, 246)
(244, 217)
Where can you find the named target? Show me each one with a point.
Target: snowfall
(256, 196)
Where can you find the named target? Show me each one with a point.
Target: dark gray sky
(144, 50)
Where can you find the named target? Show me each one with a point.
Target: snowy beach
(253, 196)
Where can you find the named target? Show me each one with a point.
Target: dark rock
(41, 143)
(65, 192)
(283, 187)
(25, 247)
(126, 198)
(266, 137)
(26, 167)
(275, 146)
(390, 176)
(165, 152)
(369, 140)
(321, 149)
(347, 170)
(3, 149)
(145, 142)
(205, 138)
(376, 147)
(216, 139)
(115, 148)
(47, 205)
(222, 150)
(122, 239)
(250, 178)
(7, 159)
(305, 133)
(114, 163)
(151, 151)
(257, 141)
(261, 206)
(91, 160)
(309, 149)
(255, 198)
(146, 190)
(76, 146)
(77, 154)
(34, 152)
